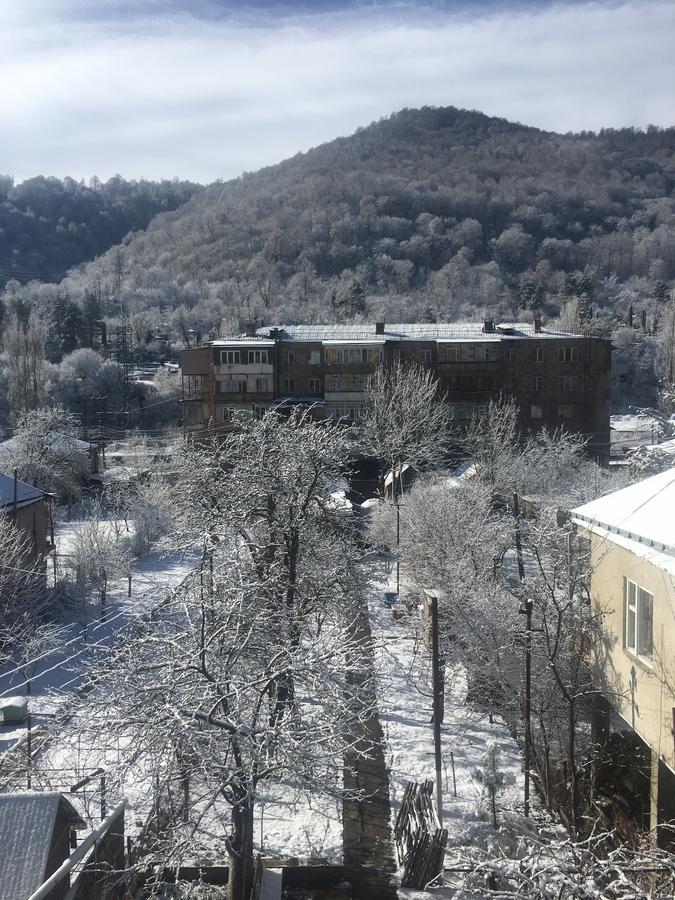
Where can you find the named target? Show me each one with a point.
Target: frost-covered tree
(256, 662)
(24, 345)
(404, 418)
(46, 452)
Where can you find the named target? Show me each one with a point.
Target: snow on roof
(469, 331)
(55, 439)
(243, 341)
(639, 517)
(27, 823)
(25, 493)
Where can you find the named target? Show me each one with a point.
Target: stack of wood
(420, 840)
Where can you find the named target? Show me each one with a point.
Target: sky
(208, 89)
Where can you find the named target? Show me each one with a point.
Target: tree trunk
(241, 851)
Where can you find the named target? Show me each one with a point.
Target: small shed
(27, 505)
(34, 842)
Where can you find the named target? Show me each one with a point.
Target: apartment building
(632, 537)
(558, 379)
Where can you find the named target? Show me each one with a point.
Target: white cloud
(203, 98)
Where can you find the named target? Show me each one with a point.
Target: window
(568, 382)
(288, 385)
(399, 357)
(341, 356)
(229, 357)
(192, 387)
(536, 411)
(257, 356)
(536, 382)
(287, 357)
(567, 411)
(568, 354)
(540, 354)
(314, 385)
(232, 387)
(336, 383)
(315, 358)
(426, 357)
(452, 354)
(638, 616)
(263, 386)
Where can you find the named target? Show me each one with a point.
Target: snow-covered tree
(46, 452)
(404, 418)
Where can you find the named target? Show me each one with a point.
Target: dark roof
(25, 493)
(27, 824)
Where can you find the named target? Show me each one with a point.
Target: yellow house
(632, 536)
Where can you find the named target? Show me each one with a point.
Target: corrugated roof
(641, 514)
(25, 493)
(26, 832)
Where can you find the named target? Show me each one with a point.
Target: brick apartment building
(557, 379)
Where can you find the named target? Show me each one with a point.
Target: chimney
(489, 326)
(379, 328)
(250, 329)
(537, 323)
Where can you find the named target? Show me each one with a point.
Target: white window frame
(634, 641)
(230, 357)
(537, 383)
(568, 383)
(540, 354)
(314, 385)
(568, 354)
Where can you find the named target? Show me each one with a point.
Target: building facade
(557, 379)
(632, 536)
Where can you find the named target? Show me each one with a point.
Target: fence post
(29, 751)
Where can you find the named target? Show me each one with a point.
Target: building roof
(56, 440)
(27, 823)
(25, 493)
(639, 518)
(365, 331)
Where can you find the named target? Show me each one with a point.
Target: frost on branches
(246, 672)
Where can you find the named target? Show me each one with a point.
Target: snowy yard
(405, 704)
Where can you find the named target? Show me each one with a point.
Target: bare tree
(404, 418)
(24, 344)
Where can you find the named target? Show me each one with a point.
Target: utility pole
(437, 687)
(398, 545)
(528, 656)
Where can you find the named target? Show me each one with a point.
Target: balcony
(244, 369)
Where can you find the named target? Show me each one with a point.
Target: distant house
(34, 841)
(28, 507)
(632, 537)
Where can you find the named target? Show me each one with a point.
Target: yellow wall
(644, 695)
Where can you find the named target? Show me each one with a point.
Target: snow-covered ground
(405, 703)
(63, 667)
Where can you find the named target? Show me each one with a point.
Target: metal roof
(25, 493)
(641, 513)
(27, 823)
(469, 331)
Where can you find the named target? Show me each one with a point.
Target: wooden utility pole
(398, 547)
(438, 701)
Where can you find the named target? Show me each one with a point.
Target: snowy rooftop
(56, 440)
(365, 331)
(639, 517)
(27, 823)
(25, 493)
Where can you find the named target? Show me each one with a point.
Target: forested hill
(48, 225)
(430, 213)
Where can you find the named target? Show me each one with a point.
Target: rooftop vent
(379, 328)
(250, 329)
(489, 326)
(537, 323)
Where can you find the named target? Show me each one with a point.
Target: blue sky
(210, 88)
